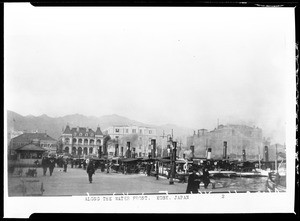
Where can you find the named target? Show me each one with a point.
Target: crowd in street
(195, 178)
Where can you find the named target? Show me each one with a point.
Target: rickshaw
(130, 165)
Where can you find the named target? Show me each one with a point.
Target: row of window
(28, 155)
(67, 140)
(79, 150)
(86, 134)
(117, 130)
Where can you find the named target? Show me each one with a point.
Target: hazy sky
(187, 66)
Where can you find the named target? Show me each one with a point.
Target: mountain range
(54, 126)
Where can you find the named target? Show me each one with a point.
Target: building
(123, 130)
(132, 141)
(42, 140)
(29, 154)
(82, 141)
(234, 142)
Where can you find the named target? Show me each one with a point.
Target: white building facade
(116, 132)
(138, 140)
(82, 141)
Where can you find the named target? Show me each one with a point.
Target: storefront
(29, 154)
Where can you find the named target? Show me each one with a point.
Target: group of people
(49, 162)
(196, 178)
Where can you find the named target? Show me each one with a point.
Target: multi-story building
(82, 140)
(137, 141)
(120, 131)
(234, 142)
(39, 139)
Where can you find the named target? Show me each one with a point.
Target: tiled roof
(31, 147)
(67, 130)
(98, 131)
(82, 130)
(28, 137)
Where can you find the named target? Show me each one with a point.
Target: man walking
(90, 170)
(65, 165)
(44, 165)
(51, 165)
(193, 182)
(205, 178)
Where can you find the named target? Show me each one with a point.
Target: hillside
(54, 126)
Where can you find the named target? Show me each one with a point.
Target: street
(75, 182)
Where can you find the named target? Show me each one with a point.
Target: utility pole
(276, 166)
(173, 160)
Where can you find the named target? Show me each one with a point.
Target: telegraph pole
(276, 166)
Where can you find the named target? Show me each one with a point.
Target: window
(150, 131)
(80, 134)
(127, 131)
(117, 137)
(85, 150)
(86, 141)
(86, 134)
(92, 134)
(141, 131)
(117, 130)
(133, 130)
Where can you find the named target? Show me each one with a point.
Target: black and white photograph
(149, 109)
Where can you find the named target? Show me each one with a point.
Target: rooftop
(30, 147)
(28, 137)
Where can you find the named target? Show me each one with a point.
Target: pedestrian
(65, 165)
(205, 177)
(108, 167)
(84, 164)
(90, 170)
(44, 165)
(72, 163)
(148, 169)
(193, 182)
(51, 165)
